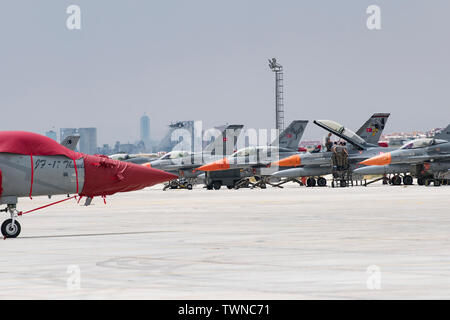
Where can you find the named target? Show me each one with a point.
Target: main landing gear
(321, 182)
(11, 227)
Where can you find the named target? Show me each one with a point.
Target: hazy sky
(207, 60)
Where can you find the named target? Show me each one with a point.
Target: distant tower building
(52, 135)
(145, 130)
(88, 140)
(65, 132)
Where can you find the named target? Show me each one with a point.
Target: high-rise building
(88, 140)
(51, 134)
(145, 130)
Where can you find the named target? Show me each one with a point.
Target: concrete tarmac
(376, 242)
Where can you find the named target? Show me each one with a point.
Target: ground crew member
(344, 154)
(334, 155)
(339, 155)
(328, 143)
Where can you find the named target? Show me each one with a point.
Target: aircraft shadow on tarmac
(93, 234)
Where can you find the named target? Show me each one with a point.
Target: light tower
(279, 107)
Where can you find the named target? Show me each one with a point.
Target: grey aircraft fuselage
(319, 164)
(184, 163)
(427, 157)
(52, 175)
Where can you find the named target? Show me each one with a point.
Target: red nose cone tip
(292, 161)
(160, 176)
(380, 160)
(222, 164)
(107, 176)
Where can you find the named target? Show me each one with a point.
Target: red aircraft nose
(104, 176)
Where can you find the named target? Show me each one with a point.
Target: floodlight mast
(279, 105)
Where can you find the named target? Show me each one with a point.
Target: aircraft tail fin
(373, 128)
(444, 134)
(291, 136)
(225, 142)
(70, 142)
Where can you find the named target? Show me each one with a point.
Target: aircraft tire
(407, 180)
(189, 186)
(321, 182)
(230, 187)
(311, 182)
(396, 180)
(10, 230)
(217, 185)
(209, 187)
(420, 181)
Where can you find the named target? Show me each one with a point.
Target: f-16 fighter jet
(35, 165)
(316, 165)
(257, 157)
(427, 159)
(184, 163)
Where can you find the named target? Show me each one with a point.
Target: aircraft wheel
(396, 180)
(407, 180)
(420, 181)
(189, 186)
(321, 182)
(230, 187)
(217, 185)
(311, 182)
(263, 186)
(209, 187)
(10, 230)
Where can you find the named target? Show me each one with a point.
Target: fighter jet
(254, 158)
(184, 163)
(316, 165)
(35, 165)
(428, 159)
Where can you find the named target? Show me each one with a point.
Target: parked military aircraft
(254, 158)
(316, 165)
(428, 159)
(184, 163)
(35, 165)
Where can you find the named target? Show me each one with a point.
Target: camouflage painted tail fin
(290, 137)
(373, 128)
(70, 142)
(444, 134)
(225, 143)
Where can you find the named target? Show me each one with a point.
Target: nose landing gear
(11, 227)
